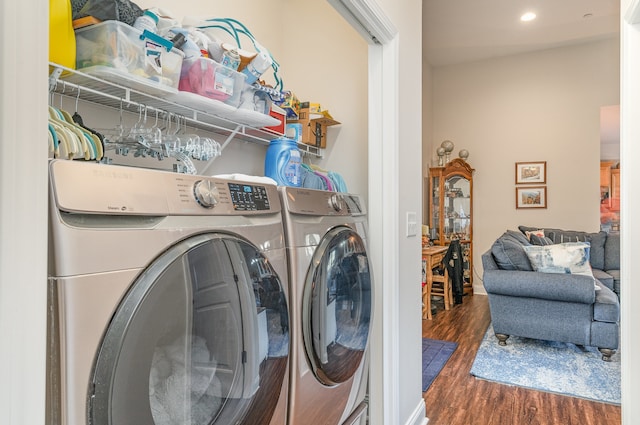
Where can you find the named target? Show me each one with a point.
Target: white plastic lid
(151, 15)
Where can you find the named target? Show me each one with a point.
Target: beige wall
(325, 61)
(543, 106)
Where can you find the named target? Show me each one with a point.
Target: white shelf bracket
(230, 137)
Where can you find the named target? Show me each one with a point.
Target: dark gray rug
(435, 354)
(550, 366)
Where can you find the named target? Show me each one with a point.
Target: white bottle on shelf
(147, 21)
(258, 65)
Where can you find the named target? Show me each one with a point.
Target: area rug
(550, 366)
(435, 354)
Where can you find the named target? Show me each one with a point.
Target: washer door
(336, 307)
(202, 337)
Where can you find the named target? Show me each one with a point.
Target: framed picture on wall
(531, 197)
(531, 172)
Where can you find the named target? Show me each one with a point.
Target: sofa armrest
(547, 286)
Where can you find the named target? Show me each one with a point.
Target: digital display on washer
(248, 198)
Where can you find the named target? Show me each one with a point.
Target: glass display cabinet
(451, 210)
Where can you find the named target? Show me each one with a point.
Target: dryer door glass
(336, 306)
(202, 337)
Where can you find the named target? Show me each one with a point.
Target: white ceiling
(456, 31)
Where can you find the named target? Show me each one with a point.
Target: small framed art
(531, 172)
(531, 197)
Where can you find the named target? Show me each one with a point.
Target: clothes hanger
(53, 141)
(67, 139)
(66, 145)
(70, 144)
(82, 148)
(318, 168)
(79, 144)
(88, 144)
(98, 139)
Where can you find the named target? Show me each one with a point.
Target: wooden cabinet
(605, 182)
(615, 189)
(605, 173)
(609, 196)
(450, 200)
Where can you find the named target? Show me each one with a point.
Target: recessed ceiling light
(529, 16)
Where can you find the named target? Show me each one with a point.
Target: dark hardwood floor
(457, 398)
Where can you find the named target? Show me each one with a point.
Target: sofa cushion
(616, 280)
(508, 251)
(604, 277)
(519, 237)
(565, 258)
(597, 241)
(597, 254)
(606, 307)
(561, 236)
(612, 252)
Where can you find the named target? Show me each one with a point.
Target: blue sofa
(573, 308)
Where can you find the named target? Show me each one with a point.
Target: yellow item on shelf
(62, 40)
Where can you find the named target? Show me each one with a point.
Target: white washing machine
(168, 299)
(330, 296)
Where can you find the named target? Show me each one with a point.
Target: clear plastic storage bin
(117, 50)
(253, 99)
(208, 78)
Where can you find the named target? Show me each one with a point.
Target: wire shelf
(75, 84)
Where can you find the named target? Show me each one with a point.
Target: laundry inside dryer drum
(337, 306)
(202, 337)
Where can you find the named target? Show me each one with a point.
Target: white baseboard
(479, 289)
(419, 415)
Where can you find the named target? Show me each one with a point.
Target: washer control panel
(92, 188)
(321, 203)
(248, 197)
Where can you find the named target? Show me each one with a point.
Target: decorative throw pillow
(565, 258)
(525, 229)
(539, 233)
(597, 240)
(540, 240)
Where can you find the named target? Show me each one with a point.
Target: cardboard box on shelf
(314, 127)
(290, 104)
(314, 108)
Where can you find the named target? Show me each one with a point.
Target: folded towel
(247, 178)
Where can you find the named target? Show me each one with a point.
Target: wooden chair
(434, 284)
(441, 287)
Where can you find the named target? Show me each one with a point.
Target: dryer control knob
(206, 193)
(336, 202)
